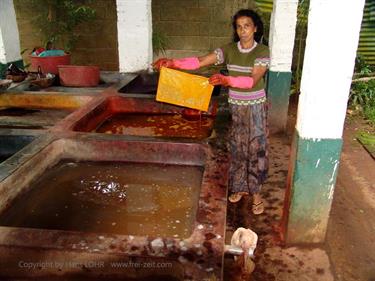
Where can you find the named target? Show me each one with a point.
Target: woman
(247, 61)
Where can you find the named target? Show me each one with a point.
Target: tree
(58, 20)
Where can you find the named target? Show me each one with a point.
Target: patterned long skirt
(249, 148)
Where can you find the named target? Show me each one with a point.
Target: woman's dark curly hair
(256, 20)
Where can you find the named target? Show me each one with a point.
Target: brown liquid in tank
(164, 125)
(121, 198)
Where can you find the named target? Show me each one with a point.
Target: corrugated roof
(372, 10)
(264, 5)
(366, 45)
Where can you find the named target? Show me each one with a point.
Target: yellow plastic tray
(184, 89)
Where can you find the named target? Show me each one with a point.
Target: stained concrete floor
(351, 229)
(274, 262)
(349, 251)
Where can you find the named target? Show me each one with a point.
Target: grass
(369, 113)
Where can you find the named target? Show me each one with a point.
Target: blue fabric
(52, 53)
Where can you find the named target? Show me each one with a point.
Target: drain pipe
(237, 251)
(243, 243)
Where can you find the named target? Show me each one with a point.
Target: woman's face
(245, 28)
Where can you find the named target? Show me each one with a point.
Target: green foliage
(366, 138)
(362, 93)
(370, 115)
(264, 9)
(266, 18)
(58, 20)
(362, 97)
(362, 67)
(302, 13)
(159, 42)
(301, 31)
(24, 51)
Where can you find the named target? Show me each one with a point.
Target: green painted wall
(278, 90)
(311, 182)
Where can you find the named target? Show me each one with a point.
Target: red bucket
(48, 64)
(79, 75)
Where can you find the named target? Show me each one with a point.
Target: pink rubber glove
(242, 82)
(185, 63)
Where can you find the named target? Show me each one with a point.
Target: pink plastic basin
(48, 64)
(79, 75)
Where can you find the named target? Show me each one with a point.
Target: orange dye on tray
(157, 125)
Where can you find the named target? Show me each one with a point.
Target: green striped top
(240, 62)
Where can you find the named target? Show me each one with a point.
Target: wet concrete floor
(274, 261)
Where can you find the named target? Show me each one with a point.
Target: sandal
(258, 208)
(235, 197)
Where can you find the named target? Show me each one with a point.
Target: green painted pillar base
(278, 91)
(3, 67)
(310, 186)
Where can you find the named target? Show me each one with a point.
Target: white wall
(134, 29)
(282, 33)
(331, 45)
(9, 37)
(2, 49)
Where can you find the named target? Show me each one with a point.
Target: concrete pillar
(9, 38)
(282, 33)
(134, 32)
(331, 44)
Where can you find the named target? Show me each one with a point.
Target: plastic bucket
(79, 75)
(48, 64)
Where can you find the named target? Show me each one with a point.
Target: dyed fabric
(240, 62)
(249, 148)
